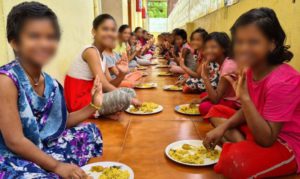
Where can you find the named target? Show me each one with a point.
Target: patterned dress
(197, 84)
(43, 120)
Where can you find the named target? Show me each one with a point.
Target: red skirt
(247, 159)
(77, 93)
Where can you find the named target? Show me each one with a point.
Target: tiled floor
(139, 141)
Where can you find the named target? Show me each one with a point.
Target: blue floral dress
(44, 123)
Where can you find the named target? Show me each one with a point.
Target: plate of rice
(108, 170)
(192, 153)
(172, 88)
(145, 109)
(188, 109)
(146, 85)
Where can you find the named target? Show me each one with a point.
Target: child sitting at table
(124, 35)
(220, 90)
(263, 137)
(186, 53)
(197, 43)
(113, 59)
(136, 51)
(216, 50)
(89, 64)
(38, 137)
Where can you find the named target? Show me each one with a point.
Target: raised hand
(181, 59)
(128, 48)
(97, 93)
(138, 47)
(205, 70)
(122, 64)
(239, 83)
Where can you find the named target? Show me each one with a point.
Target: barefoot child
(264, 135)
(38, 138)
(89, 64)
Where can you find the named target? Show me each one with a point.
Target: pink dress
(229, 66)
(277, 99)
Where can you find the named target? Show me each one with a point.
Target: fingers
(180, 55)
(209, 143)
(230, 78)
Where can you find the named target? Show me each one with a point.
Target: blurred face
(251, 47)
(212, 50)
(37, 41)
(139, 33)
(125, 35)
(178, 40)
(106, 34)
(133, 40)
(171, 39)
(197, 42)
(146, 35)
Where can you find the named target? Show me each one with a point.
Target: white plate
(162, 66)
(178, 144)
(141, 68)
(153, 85)
(96, 175)
(164, 74)
(167, 88)
(178, 107)
(157, 110)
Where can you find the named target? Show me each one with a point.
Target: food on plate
(165, 74)
(97, 168)
(145, 85)
(162, 66)
(145, 108)
(189, 109)
(141, 68)
(193, 154)
(114, 173)
(174, 87)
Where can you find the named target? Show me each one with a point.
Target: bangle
(95, 106)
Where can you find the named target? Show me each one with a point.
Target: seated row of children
(247, 92)
(48, 139)
(251, 95)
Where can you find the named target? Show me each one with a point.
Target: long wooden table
(140, 141)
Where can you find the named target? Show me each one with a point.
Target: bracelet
(95, 106)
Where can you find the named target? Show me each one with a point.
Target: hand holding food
(66, 170)
(213, 137)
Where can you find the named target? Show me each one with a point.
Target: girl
(265, 132)
(89, 64)
(138, 31)
(197, 42)
(112, 60)
(38, 138)
(186, 52)
(123, 44)
(216, 49)
(223, 93)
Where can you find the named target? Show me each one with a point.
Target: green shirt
(121, 48)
